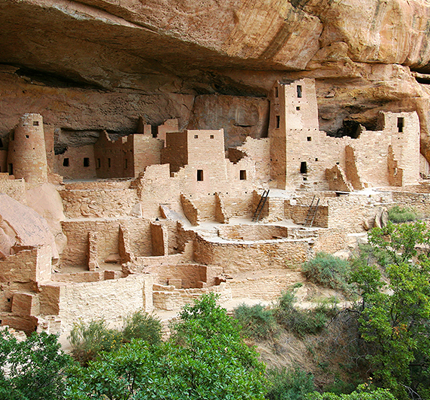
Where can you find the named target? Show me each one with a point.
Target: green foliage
(88, 340)
(395, 244)
(302, 322)
(395, 315)
(205, 358)
(141, 325)
(32, 369)
(289, 384)
(398, 214)
(363, 393)
(328, 271)
(257, 321)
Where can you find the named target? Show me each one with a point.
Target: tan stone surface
(23, 226)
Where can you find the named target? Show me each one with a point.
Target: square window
(35, 123)
(309, 139)
(212, 136)
(196, 136)
(297, 108)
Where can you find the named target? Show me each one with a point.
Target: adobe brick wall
(420, 202)
(252, 232)
(99, 203)
(169, 298)
(75, 159)
(236, 257)
(266, 287)
(110, 299)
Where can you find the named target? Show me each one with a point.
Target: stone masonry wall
(109, 299)
(235, 256)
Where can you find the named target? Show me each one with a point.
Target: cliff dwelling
(155, 218)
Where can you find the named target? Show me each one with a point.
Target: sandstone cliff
(101, 64)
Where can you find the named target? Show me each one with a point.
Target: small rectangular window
(309, 139)
(303, 167)
(278, 121)
(297, 108)
(243, 175)
(35, 123)
(299, 91)
(212, 136)
(276, 92)
(196, 136)
(125, 164)
(99, 163)
(86, 162)
(10, 168)
(199, 175)
(400, 124)
(108, 162)
(66, 162)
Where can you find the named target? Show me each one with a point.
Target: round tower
(26, 154)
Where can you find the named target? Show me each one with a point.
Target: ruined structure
(156, 218)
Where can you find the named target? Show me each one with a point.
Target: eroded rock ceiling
(101, 64)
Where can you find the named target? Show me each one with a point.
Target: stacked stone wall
(238, 257)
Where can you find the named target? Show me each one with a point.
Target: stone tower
(26, 154)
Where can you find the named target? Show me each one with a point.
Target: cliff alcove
(98, 64)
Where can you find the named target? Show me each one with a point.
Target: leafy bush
(257, 321)
(362, 393)
(289, 384)
(205, 358)
(398, 214)
(32, 369)
(141, 325)
(298, 321)
(328, 271)
(88, 340)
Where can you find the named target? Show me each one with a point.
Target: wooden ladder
(312, 212)
(260, 206)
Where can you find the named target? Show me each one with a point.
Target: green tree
(395, 313)
(362, 393)
(32, 369)
(205, 358)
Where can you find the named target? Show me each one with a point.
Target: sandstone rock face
(22, 226)
(102, 64)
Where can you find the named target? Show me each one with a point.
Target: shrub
(289, 384)
(398, 214)
(141, 325)
(363, 392)
(32, 369)
(301, 322)
(328, 271)
(88, 340)
(257, 321)
(204, 358)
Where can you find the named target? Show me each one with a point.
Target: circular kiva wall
(252, 232)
